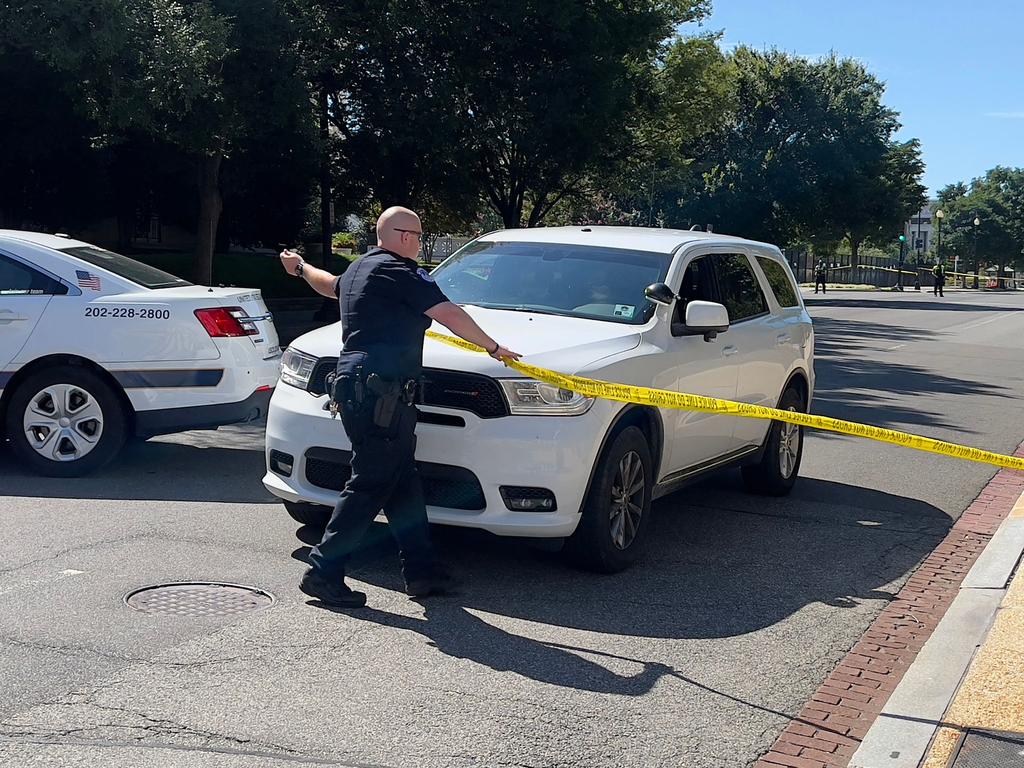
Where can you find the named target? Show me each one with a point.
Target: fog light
(521, 498)
(281, 463)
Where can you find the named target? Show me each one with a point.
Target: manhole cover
(990, 750)
(199, 599)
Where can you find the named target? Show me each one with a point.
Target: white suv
(683, 311)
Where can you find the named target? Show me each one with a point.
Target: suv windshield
(571, 280)
(122, 266)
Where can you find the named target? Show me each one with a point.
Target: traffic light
(903, 239)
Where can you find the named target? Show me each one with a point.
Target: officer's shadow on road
(720, 564)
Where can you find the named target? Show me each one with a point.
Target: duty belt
(357, 389)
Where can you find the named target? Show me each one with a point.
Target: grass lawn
(245, 270)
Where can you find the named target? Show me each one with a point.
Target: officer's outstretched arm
(320, 280)
(454, 318)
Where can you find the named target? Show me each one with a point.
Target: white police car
(96, 347)
(685, 311)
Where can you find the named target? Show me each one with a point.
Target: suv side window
(781, 285)
(698, 285)
(737, 283)
(17, 279)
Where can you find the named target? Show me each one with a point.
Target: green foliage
(479, 114)
(693, 93)
(520, 101)
(343, 240)
(807, 156)
(192, 75)
(997, 201)
(244, 270)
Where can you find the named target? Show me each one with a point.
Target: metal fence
(443, 247)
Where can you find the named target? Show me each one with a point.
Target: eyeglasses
(419, 235)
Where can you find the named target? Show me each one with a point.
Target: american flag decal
(87, 280)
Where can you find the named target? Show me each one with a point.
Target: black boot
(330, 592)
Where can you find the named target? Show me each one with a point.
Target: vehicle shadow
(225, 465)
(719, 564)
(911, 305)
(854, 383)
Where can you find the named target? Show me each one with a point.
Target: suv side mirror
(706, 317)
(659, 293)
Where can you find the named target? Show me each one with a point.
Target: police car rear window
(122, 266)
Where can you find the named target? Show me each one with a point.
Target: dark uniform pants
(384, 477)
(819, 281)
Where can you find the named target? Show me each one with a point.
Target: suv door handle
(729, 351)
(783, 339)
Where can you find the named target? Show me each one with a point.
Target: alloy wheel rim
(63, 422)
(789, 447)
(628, 488)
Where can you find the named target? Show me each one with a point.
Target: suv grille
(446, 389)
(444, 485)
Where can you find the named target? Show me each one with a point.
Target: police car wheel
(616, 514)
(315, 515)
(65, 421)
(779, 467)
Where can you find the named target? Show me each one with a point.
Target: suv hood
(565, 344)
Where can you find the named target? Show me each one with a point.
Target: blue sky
(952, 69)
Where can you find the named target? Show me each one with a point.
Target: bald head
(398, 230)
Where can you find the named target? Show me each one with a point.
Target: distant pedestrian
(820, 274)
(939, 273)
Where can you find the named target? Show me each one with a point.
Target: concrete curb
(906, 726)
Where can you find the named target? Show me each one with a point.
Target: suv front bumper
(552, 452)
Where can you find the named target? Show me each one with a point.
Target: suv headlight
(527, 397)
(296, 368)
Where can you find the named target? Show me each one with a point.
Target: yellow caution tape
(928, 271)
(661, 398)
(888, 269)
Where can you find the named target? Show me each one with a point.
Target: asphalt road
(696, 658)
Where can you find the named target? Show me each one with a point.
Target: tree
(693, 93)
(881, 203)
(807, 155)
(52, 176)
(521, 101)
(193, 75)
(546, 90)
(996, 200)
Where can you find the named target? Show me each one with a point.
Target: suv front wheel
(616, 512)
(777, 471)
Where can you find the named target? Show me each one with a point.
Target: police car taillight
(220, 322)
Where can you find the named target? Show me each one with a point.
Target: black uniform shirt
(383, 297)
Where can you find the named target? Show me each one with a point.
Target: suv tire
(613, 527)
(776, 472)
(315, 515)
(66, 411)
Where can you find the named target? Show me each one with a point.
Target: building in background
(920, 233)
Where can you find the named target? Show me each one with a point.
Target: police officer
(939, 273)
(387, 303)
(820, 275)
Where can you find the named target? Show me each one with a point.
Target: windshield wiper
(520, 308)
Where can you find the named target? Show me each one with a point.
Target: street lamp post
(939, 216)
(977, 223)
(899, 270)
